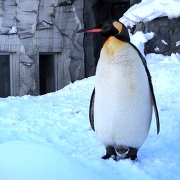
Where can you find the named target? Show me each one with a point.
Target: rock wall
(28, 28)
(166, 38)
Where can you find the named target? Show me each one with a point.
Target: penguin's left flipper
(151, 88)
(91, 110)
(110, 152)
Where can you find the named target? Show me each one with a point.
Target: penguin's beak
(90, 30)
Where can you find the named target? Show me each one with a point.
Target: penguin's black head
(110, 28)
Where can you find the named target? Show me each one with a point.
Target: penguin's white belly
(123, 106)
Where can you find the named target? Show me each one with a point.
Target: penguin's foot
(132, 154)
(110, 152)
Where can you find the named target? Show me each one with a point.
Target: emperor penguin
(123, 98)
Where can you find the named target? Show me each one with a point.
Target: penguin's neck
(112, 44)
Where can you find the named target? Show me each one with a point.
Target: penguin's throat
(112, 44)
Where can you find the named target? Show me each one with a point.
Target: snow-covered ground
(49, 137)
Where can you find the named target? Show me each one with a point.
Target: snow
(164, 42)
(148, 10)
(48, 22)
(13, 30)
(177, 43)
(23, 160)
(49, 137)
(156, 49)
(139, 38)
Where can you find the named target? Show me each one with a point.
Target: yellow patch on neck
(112, 45)
(118, 26)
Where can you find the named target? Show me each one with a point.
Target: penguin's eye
(106, 27)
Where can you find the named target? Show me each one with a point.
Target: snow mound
(148, 10)
(139, 38)
(27, 161)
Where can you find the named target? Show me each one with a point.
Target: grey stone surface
(132, 2)
(166, 38)
(42, 26)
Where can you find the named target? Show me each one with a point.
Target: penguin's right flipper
(91, 110)
(110, 151)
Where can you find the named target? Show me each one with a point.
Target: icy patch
(177, 43)
(156, 49)
(13, 30)
(48, 22)
(164, 42)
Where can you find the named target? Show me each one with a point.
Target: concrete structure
(40, 51)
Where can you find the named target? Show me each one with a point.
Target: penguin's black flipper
(91, 110)
(153, 100)
(151, 87)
